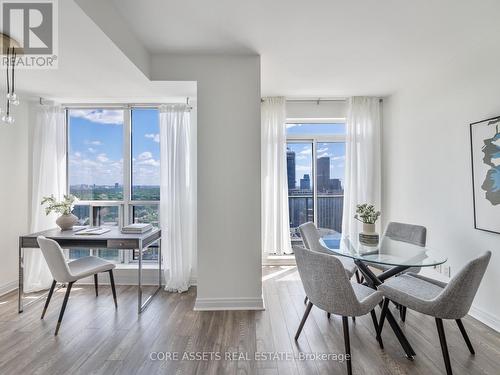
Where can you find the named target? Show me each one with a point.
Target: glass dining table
(393, 257)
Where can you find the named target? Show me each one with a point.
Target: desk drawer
(123, 244)
(29, 242)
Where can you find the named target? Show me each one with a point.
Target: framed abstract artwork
(485, 154)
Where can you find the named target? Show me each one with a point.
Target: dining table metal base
(373, 281)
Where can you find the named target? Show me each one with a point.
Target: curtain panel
(275, 216)
(177, 207)
(362, 168)
(49, 178)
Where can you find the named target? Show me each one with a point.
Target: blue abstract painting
(485, 148)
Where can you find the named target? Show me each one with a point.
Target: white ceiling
(324, 47)
(92, 68)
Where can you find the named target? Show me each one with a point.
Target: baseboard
(214, 304)
(485, 317)
(8, 287)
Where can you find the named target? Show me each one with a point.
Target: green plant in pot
(63, 207)
(367, 214)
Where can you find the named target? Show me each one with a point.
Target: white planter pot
(368, 228)
(66, 222)
(368, 237)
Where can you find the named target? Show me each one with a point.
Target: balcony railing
(329, 212)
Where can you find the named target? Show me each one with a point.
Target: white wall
(14, 194)
(228, 121)
(427, 168)
(104, 14)
(324, 110)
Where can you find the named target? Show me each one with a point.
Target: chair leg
(357, 277)
(444, 346)
(375, 325)
(112, 281)
(465, 336)
(65, 302)
(305, 300)
(385, 306)
(96, 285)
(345, 324)
(49, 296)
(303, 321)
(402, 312)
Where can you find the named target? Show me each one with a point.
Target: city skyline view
(327, 177)
(334, 151)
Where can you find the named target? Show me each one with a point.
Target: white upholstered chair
(71, 272)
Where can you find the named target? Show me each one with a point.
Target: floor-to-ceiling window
(114, 170)
(315, 169)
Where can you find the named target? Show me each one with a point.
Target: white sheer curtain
(177, 210)
(49, 177)
(362, 167)
(275, 220)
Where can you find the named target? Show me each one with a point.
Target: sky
(96, 147)
(303, 151)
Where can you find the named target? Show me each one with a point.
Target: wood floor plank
(96, 338)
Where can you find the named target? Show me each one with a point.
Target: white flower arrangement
(63, 207)
(366, 213)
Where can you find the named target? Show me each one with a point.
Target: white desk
(113, 239)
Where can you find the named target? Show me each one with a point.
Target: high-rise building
(323, 173)
(290, 168)
(335, 185)
(330, 212)
(305, 183)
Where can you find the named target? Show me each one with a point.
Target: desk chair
(71, 272)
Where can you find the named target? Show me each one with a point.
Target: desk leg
(142, 306)
(21, 279)
(159, 263)
(139, 284)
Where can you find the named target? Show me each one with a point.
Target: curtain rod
(112, 105)
(317, 101)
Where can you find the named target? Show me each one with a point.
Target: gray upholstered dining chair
(310, 236)
(437, 299)
(71, 272)
(409, 233)
(328, 287)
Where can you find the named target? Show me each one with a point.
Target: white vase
(66, 222)
(368, 237)
(368, 228)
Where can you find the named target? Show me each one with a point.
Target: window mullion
(127, 166)
(315, 183)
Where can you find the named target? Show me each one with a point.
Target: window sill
(279, 260)
(135, 266)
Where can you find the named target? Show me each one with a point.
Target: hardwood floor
(97, 339)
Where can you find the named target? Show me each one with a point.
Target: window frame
(126, 205)
(314, 140)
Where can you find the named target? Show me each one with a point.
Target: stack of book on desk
(137, 228)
